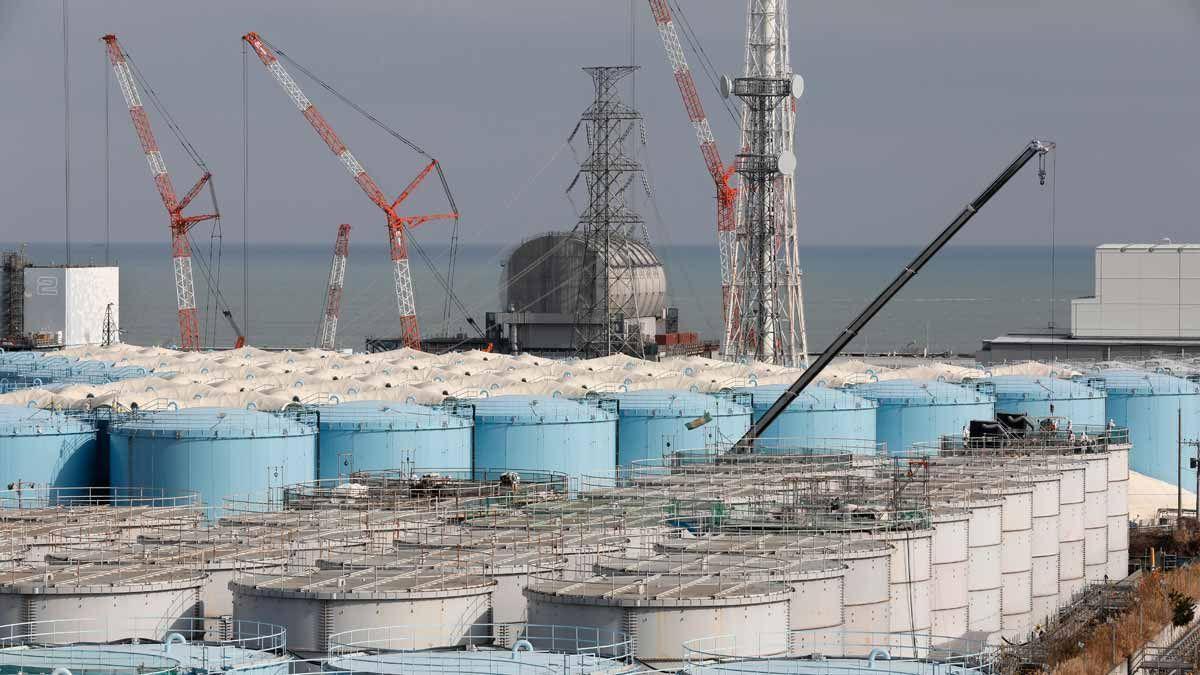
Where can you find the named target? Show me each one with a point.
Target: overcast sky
(911, 107)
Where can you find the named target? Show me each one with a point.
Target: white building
(1142, 291)
(1146, 304)
(71, 301)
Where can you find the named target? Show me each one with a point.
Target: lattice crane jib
(181, 253)
(717, 169)
(333, 298)
(397, 225)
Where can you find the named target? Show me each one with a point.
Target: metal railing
(395, 641)
(829, 653)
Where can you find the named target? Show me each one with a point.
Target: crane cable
(442, 280)
(210, 270)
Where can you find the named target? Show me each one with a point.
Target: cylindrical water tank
(949, 601)
(315, 605)
(1045, 397)
(1016, 561)
(817, 582)
(1071, 528)
(913, 411)
(868, 585)
(912, 572)
(1044, 549)
(985, 581)
(540, 432)
(817, 416)
(1152, 405)
(657, 422)
(217, 452)
(1095, 516)
(1118, 512)
(660, 613)
(113, 596)
(43, 448)
(375, 435)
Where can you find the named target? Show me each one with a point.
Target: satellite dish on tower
(797, 85)
(726, 86)
(787, 162)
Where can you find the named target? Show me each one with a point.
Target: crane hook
(1042, 169)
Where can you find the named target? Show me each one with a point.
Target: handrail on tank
(918, 653)
(402, 489)
(1081, 439)
(608, 645)
(19, 496)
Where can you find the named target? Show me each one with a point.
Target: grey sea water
(966, 294)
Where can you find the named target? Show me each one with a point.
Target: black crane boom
(1035, 148)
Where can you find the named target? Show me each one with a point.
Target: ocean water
(964, 295)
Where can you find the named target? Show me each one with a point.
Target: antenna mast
(767, 322)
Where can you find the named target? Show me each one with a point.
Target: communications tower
(606, 315)
(766, 319)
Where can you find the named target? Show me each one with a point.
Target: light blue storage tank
(1046, 397)
(376, 435)
(42, 448)
(549, 434)
(654, 422)
(912, 411)
(1150, 405)
(819, 417)
(217, 452)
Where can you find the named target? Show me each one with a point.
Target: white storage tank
(867, 595)
(316, 605)
(949, 600)
(818, 584)
(985, 581)
(1016, 561)
(910, 621)
(1071, 519)
(660, 613)
(113, 595)
(1044, 548)
(1095, 518)
(1118, 512)
(510, 568)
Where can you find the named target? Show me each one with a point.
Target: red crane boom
(181, 251)
(337, 279)
(720, 173)
(396, 224)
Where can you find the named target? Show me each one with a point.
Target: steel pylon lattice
(605, 308)
(765, 319)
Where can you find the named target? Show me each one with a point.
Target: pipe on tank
(173, 638)
(522, 646)
(875, 653)
(60, 671)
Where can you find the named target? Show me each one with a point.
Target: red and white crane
(396, 224)
(181, 251)
(720, 173)
(337, 278)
